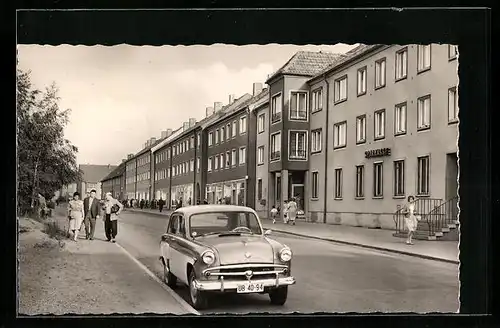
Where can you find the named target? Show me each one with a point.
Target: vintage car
(223, 248)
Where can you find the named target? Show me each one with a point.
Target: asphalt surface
(330, 277)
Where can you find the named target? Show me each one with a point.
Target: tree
(46, 161)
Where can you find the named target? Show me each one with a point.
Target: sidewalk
(383, 240)
(84, 277)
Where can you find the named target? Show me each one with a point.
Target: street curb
(147, 212)
(427, 257)
(185, 305)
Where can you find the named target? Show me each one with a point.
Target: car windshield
(224, 223)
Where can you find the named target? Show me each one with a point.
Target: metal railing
(275, 117)
(275, 155)
(298, 115)
(423, 206)
(300, 154)
(443, 215)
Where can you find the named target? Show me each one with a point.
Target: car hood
(241, 249)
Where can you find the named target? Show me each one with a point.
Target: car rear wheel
(197, 297)
(278, 296)
(169, 278)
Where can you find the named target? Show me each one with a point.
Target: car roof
(197, 209)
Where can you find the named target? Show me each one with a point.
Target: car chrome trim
(246, 265)
(225, 285)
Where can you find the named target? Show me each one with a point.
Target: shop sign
(378, 152)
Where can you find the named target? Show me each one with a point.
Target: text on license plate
(250, 287)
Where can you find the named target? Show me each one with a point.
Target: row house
(115, 182)
(130, 177)
(161, 166)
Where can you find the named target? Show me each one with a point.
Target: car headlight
(285, 254)
(208, 257)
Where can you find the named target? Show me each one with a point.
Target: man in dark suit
(91, 209)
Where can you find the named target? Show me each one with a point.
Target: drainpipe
(194, 199)
(325, 200)
(135, 184)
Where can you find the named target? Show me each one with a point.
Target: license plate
(250, 287)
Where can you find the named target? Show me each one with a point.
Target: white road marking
(179, 299)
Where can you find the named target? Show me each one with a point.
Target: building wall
(162, 163)
(276, 87)
(182, 185)
(263, 205)
(437, 141)
(144, 176)
(131, 178)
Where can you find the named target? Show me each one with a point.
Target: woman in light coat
(292, 210)
(75, 214)
(411, 219)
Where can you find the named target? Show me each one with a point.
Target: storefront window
(241, 193)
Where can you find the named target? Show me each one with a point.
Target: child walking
(274, 214)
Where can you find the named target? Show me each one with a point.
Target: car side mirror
(267, 232)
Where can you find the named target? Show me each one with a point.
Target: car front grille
(238, 272)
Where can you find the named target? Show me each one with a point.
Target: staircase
(438, 220)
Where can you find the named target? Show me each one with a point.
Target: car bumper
(221, 285)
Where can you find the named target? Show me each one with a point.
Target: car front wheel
(198, 298)
(169, 278)
(278, 296)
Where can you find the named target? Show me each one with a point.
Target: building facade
(131, 177)
(391, 126)
(115, 183)
(91, 178)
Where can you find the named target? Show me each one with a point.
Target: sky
(120, 96)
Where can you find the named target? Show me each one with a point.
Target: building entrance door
(451, 176)
(298, 193)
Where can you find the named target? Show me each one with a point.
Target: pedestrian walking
(91, 209)
(75, 214)
(411, 219)
(292, 210)
(112, 209)
(161, 203)
(274, 214)
(142, 203)
(285, 212)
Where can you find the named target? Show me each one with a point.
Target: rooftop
(95, 173)
(307, 63)
(115, 173)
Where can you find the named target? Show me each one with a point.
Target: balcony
(276, 117)
(275, 155)
(298, 154)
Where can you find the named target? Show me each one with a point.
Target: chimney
(185, 126)
(192, 122)
(163, 134)
(217, 106)
(257, 88)
(124, 160)
(129, 156)
(169, 132)
(231, 99)
(152, 141)
(209, 111)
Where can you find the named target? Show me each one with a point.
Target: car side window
(173, 225)
(181, 231)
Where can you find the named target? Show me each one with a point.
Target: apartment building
(114, 182)
(383, 126)
(231, 154)
(91, 178)
(130, 177)
(289, 126)
(161, 166)
(260, 108)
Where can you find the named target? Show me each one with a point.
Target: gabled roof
(260, 99)
(350, 55)
(237, 104)
(95, 173)
(306, 63)
(165, 141)
(115, 173)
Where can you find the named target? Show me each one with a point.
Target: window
(228, 131)
(259, 189)
(233, 130)
(399, 178)
(276, 108)
(233, 157)
(452, 52)
(192, 142)
(400, 119)
(216, 162)
(222, 162)
(340, 135)
(198, 140)
(275, 146)
(228, 159)
(340, 89)
(298, 145)
(209, 167)
(360, 181)
(260, 155)
(401, 64)
(210, 138)
(452, 105)
(338, 183)
(222, 134)
(362, 81)
(423, 176)
(298, 106)
(261, 123)
(197, 164)
(191, 165)
(217, 136)
(380, 124)
(424, 113)
(317, 100)
(315, 185)
(243, 124)
(243, 152)
(380, 73)
(423, 57)
(378, 180)
(316, 141)
(361, 129)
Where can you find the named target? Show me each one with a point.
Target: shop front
(230, 192)
(182, 193)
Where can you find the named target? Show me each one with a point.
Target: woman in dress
(292, 210)
(75, 214)
(411, 219)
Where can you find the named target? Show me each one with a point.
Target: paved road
(331, 277)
